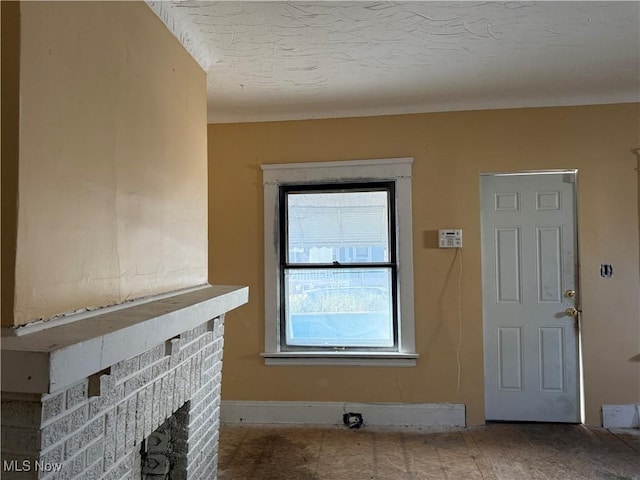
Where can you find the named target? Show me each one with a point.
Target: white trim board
(397, 170)
(621, 416)
(60, 356)
(330, 413)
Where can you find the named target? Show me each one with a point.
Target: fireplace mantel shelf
(53, 358)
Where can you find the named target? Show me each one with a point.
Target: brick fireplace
(131, 392)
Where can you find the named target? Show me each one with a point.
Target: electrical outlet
(606, 270)
(451, 238)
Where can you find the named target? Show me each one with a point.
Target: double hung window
(338, 269)
(338, 263)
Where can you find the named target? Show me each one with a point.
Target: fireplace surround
(92, 395)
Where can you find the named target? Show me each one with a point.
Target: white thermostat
(450, 238)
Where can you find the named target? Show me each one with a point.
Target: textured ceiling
(295, 60)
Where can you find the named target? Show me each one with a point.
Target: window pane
(347, 227)
(339, 307)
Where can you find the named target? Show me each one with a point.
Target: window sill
(343, 359)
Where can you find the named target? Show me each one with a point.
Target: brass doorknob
(571, 312)
(570, 293)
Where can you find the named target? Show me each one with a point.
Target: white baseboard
(330, 413)
(621, 416)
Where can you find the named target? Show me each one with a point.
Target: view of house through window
(338, 266)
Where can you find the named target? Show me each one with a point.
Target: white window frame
(397, 170)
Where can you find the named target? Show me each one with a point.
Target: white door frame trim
(574, 172)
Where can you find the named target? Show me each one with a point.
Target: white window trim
(391, 169)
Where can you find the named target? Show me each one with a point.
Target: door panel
(529, 258)
(551, 356)
(508, 264)
(510, 358)
(548, 248)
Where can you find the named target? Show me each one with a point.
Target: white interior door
(529, 281)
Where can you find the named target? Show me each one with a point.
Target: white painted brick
(96, 406)
(83, 437)
(190, 378)
(93, 472)
(187, 336)
(110, 439)
(121, 426)
(77, 465)
(77, 394)
(110, 393)
(216, 381)
(138, 381)
(184, 376)
(192, 349)
(55, 432)
(207, 364)
(52, 406)
(120, 470)
(206, 339)
(185, 352)
(204, 463)
(173, 349)
(135, 399)
(73, 467)
(161, 367)
(136, 469)
(195, 436)
(202, 341)
(197, 398)
(165, 407)
(148, 411)
(95, 452)
(107, 383)
(77, 418)
(198, 361)
(177, 387)
(151, 356)
(171, 385)
(141, 404)
(125, 368)
(130, 440)
(54, 455)
(155, 422)
(210, 349)
(199, 330)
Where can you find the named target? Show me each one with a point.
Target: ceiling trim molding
(222, 116)
(180, 26)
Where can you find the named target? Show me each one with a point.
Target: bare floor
(495, 451)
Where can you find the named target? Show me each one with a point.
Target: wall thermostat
(450, 238)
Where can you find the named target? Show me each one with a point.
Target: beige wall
(450, 151)
(112, 159)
